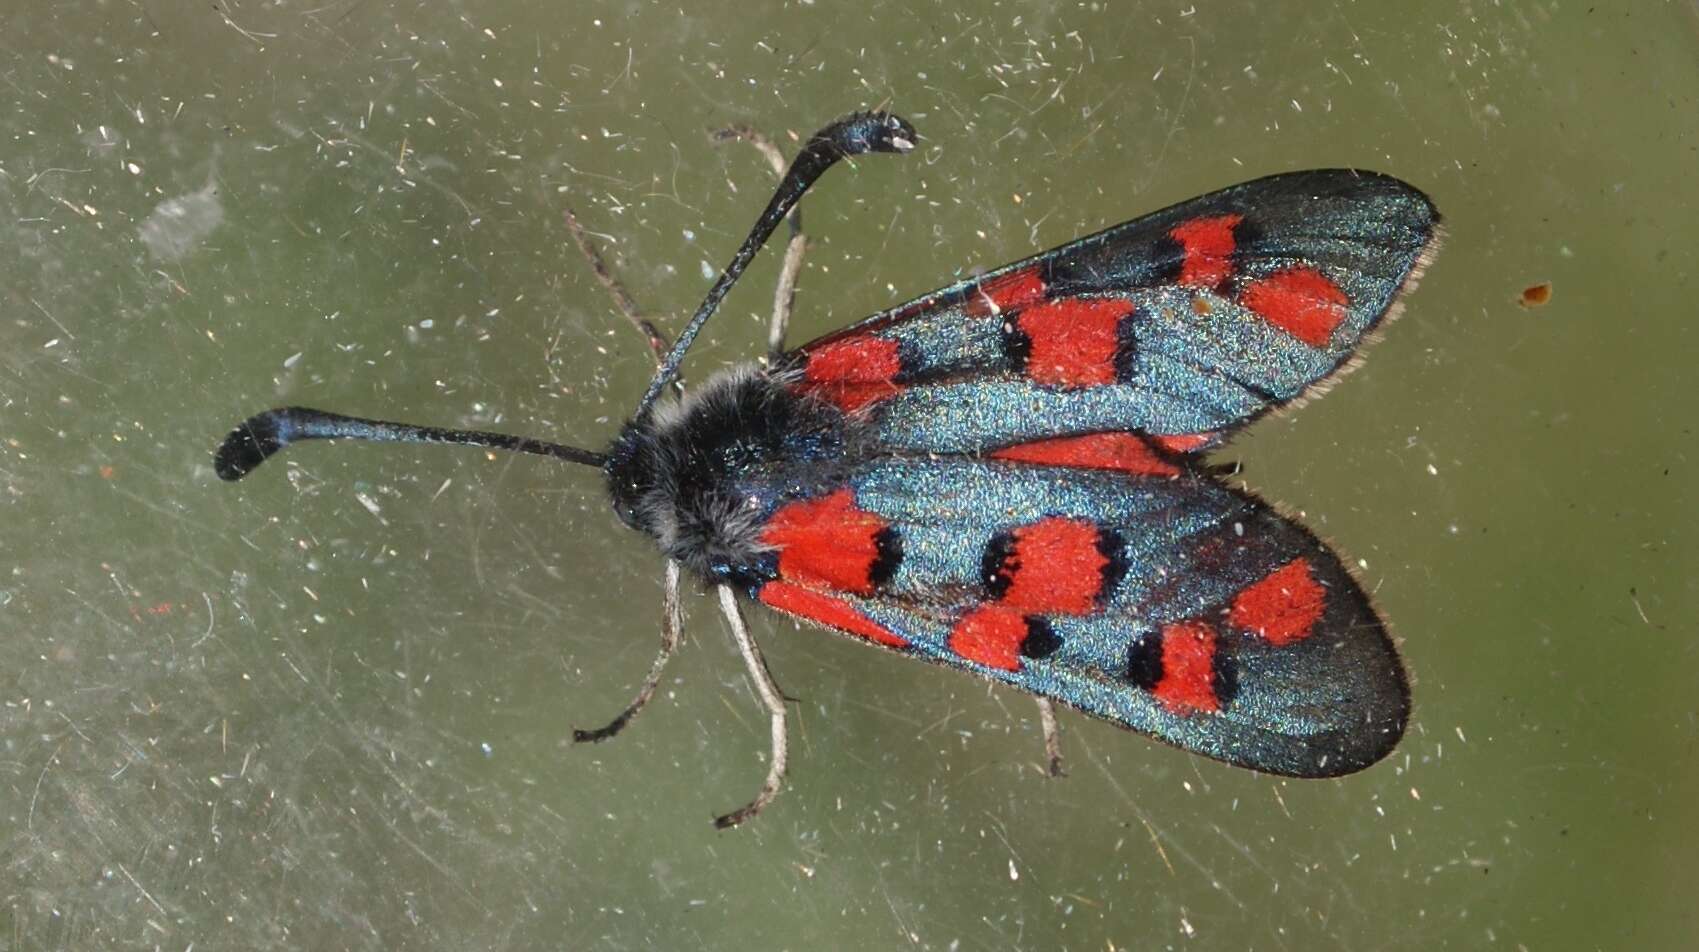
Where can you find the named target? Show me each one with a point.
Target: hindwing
(1166, 603)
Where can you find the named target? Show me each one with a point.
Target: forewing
(1168, 604)
(1181, 325)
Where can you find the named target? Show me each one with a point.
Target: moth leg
(672, 622)
(784, 293)
(770, 698)
(658, 343)
(1052, 736)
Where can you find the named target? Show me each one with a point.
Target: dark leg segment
(672, 623)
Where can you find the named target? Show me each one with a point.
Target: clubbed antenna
(261, 436)
(850, 136)
(258, 437)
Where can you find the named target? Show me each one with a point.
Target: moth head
(633, 471)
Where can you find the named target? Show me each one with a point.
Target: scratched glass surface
(330, 706)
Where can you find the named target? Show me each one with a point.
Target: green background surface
(328, 708)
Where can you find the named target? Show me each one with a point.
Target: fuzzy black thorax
(698, 475)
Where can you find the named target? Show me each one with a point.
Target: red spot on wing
(853, 372)
(826, 542)
(828, 611)
(1208, 244)
(1183, 442)
(1188, 669)
(1301, 301)
(1005, 293)
(1073, 340)
(1054, 567)
(1118, 451)
(990, 635)
(1282, 608)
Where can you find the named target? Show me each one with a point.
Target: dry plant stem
(770, 698)
(672, 622)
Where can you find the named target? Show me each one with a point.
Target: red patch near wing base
(991, 636)
(826, 542)
(1073, 340)
(1005, 293)
(1188, 669)
(1124, 452)
(853, 372)
(1183, 442)
(1208, 244)
(1300, 301)
(1282, 608)
(828, 611)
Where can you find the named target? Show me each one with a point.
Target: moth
(1007, 476)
